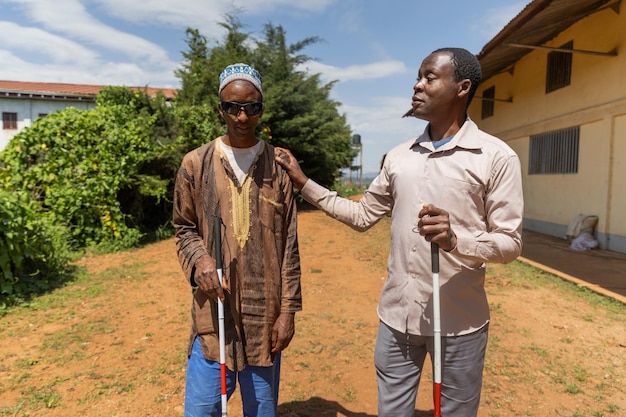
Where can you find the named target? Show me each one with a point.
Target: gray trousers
(399, 360)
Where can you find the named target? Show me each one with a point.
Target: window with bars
(488, 102)
(554, 152)
(9, 121)
(559, 71)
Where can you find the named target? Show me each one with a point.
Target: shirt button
(414, 248)
(413, 276)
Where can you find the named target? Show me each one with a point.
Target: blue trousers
(399, 360)
(258, 386)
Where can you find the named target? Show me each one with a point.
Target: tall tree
(299, 113)
(301, 116)
(196, 83)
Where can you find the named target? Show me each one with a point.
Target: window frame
(555, 152)
(559, 68)
(488, 102)
(9, 120)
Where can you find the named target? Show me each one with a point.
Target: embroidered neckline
(240, 197)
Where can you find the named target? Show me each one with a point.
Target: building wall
(595, 100)
(28, 110)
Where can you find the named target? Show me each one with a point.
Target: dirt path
(113, 343)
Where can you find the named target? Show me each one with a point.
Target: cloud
(495, 19)
(265, 6)
(99, 73)
(58, 49)
(204, 15)
(379, 115)
(70, 18)
(354, 72)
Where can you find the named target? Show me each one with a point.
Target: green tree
(146, 198)
(299, 113)
(197, 85)
(301, 116)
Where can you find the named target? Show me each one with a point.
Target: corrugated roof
(74, 90)
(539, 22)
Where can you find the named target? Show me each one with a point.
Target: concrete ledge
(593, 287)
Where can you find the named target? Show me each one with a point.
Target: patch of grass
(14, 411)
(524, 275)
(296, 392)
(334, 379)
(580, 373)
(17, 381)
(114, 387)
(359, 324)
(27, 363)
(349, 394)
(573, 389)
(538, 350)
(589, 317)
(44, 397)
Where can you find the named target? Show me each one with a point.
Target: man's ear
(464, 87)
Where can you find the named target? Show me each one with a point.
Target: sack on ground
(583, 242)
(581, 223)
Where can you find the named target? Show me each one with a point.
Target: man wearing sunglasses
(236, 178)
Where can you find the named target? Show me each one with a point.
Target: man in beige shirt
(453, 185)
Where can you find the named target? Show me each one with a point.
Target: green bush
(99, 179)
(33, 249)
(74, 163)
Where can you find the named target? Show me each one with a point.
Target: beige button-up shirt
(476, 177)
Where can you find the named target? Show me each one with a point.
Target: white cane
(434, 252)
(217, 231)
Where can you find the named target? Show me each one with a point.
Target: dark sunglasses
(232, 107)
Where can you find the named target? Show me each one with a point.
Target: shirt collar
(466, 138)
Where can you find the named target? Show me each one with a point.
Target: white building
(21, 103)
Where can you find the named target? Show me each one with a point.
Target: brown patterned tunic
(261, 270)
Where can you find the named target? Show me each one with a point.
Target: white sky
(373, 48)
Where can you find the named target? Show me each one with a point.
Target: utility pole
(356, 141)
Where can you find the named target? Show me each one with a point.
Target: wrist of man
(453, 240)
(300, 182)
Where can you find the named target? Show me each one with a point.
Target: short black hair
(466, 66)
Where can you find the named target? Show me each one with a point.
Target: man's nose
(241, 114)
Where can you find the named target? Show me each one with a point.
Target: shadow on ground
(319, 407)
